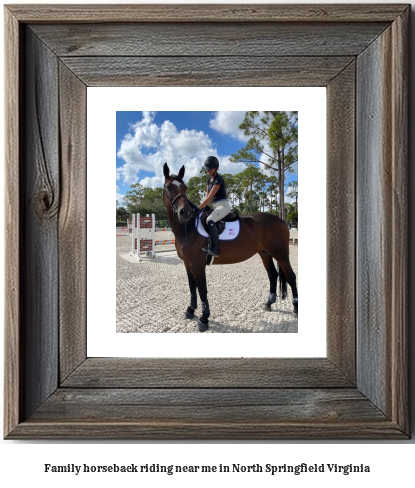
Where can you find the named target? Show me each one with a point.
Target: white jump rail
(143, 231)
(140, 243)
(122, 231)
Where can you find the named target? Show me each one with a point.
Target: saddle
(231, 217)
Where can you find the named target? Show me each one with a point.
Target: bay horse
(261, 233)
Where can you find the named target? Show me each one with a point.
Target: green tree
(152, 196)
(249, 177)
(293, 192)
(273, 142)
(292, 214)
(134, 196)
(230, 186)
(121, 214)
(238, 191)
(283, 134)
(148, 208)
(196, 189)
(253, 201)
(273, 189)
(260, 187)
(145, 201)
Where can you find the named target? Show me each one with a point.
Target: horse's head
(175, 194)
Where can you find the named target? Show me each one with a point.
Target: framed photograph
(358, 390)
(178, 125)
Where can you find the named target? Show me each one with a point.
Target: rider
(216, 193)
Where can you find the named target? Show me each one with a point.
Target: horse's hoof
(265, 307)
(202, 325)
(190, 313)
(295, 303)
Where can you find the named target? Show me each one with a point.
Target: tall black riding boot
(214, 234)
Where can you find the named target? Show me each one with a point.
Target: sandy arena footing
(153, 295)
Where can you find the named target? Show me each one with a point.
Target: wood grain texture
(382, 274)
(57, 393)
(341, 236)
(400, 246)
(13, 384)
(373, 221)
(149, 430)
(40, 207)
(190, 414)
(209, 406)
(198, 71)
(206, 373)
(72, 222)
(205, 13)
(200, 39)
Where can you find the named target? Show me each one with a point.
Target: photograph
(67, 293)
(195, 190)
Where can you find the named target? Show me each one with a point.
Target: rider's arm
(209, 198)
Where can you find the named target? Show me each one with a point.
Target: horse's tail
(283, 282)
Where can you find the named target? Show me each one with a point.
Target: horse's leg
(287, 275)
(273, 276)
(200, 278)
(190, 312)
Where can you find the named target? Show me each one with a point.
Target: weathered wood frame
(359, 52)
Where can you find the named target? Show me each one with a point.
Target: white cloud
(146, 135)
(120, 199)
(177, 148)
(154, 182)
(151, 146)
(228, 123)
(225, 166)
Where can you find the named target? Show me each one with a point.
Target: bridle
(175, 209)
(173, 206)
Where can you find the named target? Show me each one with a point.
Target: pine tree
(273, 143)
(283, 134)
(250, 176)
(293, 193)
(134, 196)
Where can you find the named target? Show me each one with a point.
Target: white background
(21, 463)
(103, 103)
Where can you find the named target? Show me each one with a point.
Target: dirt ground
(153, 295)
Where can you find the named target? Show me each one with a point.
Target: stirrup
(206, 249)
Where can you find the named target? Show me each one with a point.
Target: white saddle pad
(231, 230)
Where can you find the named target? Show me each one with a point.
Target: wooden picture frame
(360, 53)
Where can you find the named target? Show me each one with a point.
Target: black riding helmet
(211, 162)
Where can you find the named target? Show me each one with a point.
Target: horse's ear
(181, 172)
(166, 170)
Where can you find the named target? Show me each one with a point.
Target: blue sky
(146, 140)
